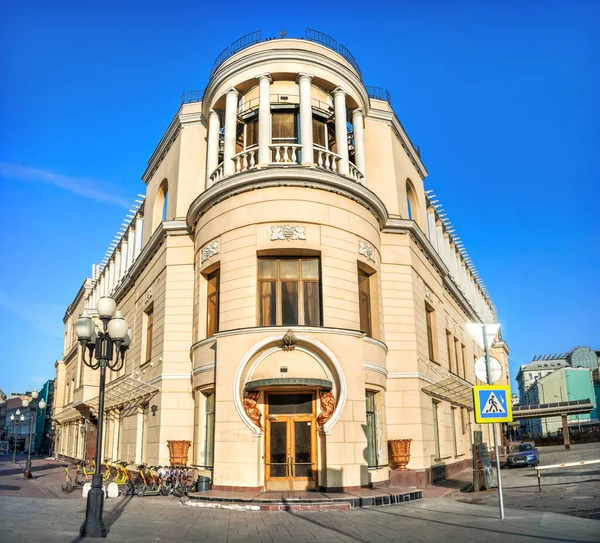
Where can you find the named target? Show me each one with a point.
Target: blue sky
(501, 97)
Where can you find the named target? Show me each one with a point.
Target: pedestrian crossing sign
(492, 403)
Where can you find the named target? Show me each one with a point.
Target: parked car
(523, 454)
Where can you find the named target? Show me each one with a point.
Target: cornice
(181, 119)
(291, 176)
(166, 228)
(390, 116)
(85, 288)
(257, 59)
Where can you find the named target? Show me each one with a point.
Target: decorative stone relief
(366, 249)
(251, 409)
(149, 294)
(289, 341)
(287, 232)
(428, 294)
(210, 250)
(327, 407)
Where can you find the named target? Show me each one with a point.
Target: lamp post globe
(106, 347)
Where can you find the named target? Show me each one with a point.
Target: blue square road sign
(492, 403)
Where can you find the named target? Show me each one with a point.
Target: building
(296, 297)
(43, 426)
(565, 384)
(19, 433)
(536, 369)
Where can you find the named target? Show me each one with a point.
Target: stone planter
(400, 452)
(178, 452)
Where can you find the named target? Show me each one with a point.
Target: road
(571, 491)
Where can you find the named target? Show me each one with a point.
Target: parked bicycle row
(144, 481)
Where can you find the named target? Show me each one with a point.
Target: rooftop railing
(192, 96)
(311, 35)
(379, 93)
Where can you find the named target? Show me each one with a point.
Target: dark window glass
(210, 430)
(252, 133)
(289, 291)
(212, 303)
(430, 330)
(290, 404)
(284, 128)
(371, 429)
(268, 303)
(318, 132)
(278, 449)
(289, 302)
(302, 449)
(149, 322)
(364, 300)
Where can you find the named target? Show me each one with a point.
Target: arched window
(412, 204)
(161, 204)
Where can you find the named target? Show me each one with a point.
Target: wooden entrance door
(291, 442)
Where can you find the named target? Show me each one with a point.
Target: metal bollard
(539, 476)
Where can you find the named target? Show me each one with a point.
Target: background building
(43, 426)
(296, 298)
(558, 378)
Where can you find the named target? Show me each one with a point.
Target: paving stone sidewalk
(165, 520)
(48, 477)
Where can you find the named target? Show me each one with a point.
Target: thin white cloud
(45, 317)
(93, 189)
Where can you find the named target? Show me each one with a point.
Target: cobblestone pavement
(48, 477)
(571, 491)
(165, 520)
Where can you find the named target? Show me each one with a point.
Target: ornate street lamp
(16, 421)
(32, 414)
(108, 346)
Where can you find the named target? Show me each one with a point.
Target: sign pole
(489, 382)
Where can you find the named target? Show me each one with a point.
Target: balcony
(287, 154)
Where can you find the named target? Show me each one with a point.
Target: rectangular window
(371, 404)
(364, 302)
(430, 316)
(454, 441)
(149, 322)
(319, 132)
(463, 357)
(463, 420)
(252, 133)
(289, 291)
(436, 432)
(285, 129)
(212, 303)
(449, 349)
(456, 358)
(210, 431)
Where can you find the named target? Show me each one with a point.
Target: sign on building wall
(492, 403)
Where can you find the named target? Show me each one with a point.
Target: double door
(291, 460)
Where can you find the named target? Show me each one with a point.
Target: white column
(111, 275)
(231, 106)
(306, 134)
(212, 154)
(118, 274)
(264, 119)
(124, 254)
(131, 239)
(341, 131)
(359, 142)
(138, 235)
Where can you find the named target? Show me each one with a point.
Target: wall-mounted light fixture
(154, 409)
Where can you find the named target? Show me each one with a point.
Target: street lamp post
(32, 413)
(16, 421)
(112, 341)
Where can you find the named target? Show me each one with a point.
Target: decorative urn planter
(400, 452)
(178, 452)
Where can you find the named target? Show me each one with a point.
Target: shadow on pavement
(327, 526)
(471, 526)
(34, 469)
(116, 513)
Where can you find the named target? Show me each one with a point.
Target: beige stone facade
(296, 300)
